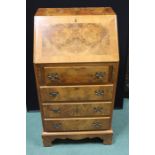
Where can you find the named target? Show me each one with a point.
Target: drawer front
(76, 75)
(76, 93)
(78, 124)
(76, 109)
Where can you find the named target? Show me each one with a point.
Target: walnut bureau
(76, 60)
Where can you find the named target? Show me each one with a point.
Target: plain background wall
(121, 8)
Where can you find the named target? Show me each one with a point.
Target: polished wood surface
(76, 67)
(74, 11)
(89, 71)
(83, 109)
(76, 93)
(76, 75)
(75, 45)
(77, 124)
(105, 135)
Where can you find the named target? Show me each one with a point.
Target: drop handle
(97, 124)
(98, 109)
(56, 125)
(99, 75)
(53, 76)
(54, 94)
(56, 110)
(99, 92)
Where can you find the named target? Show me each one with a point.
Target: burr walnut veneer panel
(76, 93)
(73, 109)
(77, 124)
(77, 75)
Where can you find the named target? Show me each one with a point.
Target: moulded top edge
(75, 11)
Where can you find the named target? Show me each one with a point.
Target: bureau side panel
(37, 70)
(114, 76)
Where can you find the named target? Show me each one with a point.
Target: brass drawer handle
(54, 94)
(99, 75)
(99, 92)
(97, 125)
(56, 110)
(98, 109)
(56, 125)
(53, 76)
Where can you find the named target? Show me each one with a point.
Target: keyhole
(75, 20)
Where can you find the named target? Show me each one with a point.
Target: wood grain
(74, 11)
(60, 110)
(77, 93)
(70, 70)
(76, 124)
(76, 75)
(49, 137)
(71, 46)
(85, 38)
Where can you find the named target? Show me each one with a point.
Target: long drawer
(56, 110)
(76, 75)
(77, 93)
(77, 124)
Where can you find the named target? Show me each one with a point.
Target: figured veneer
(76, 60)
(77, 124)
(76, 75)
(64, 39)
(76, 93)
(73, 109)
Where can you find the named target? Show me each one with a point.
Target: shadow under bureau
(76, 65)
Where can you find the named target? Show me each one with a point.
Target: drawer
(77, 124)
(76, 93)
(76, 109)
(76, 75)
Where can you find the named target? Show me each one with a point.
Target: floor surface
(84, 147)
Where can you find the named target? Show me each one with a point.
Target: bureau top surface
(74, 11)
(72, 35)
